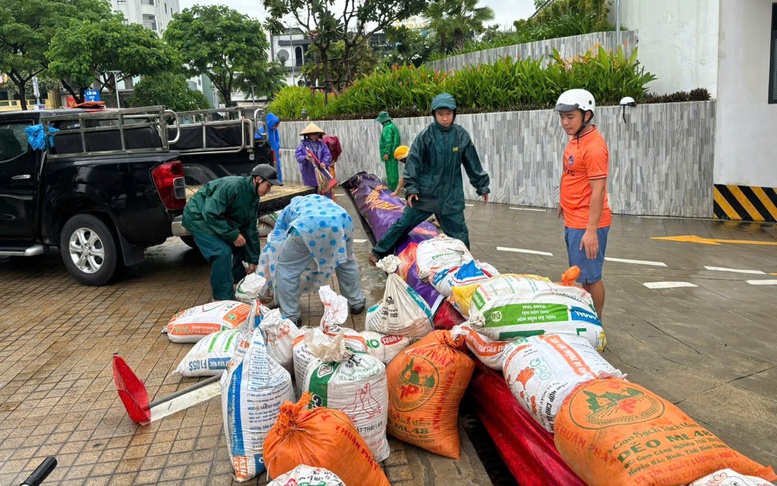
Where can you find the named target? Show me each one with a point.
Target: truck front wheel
(89, 250)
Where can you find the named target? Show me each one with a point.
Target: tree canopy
(26, 29)
(88, 50)
(453, 22)
(170, 90)
(227, 46)
(354, 26)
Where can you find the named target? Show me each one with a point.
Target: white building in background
(156, 15)
(730, 48)
(290, 49)
(152, 14)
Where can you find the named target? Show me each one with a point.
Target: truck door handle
(21, 177)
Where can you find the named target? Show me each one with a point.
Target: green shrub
(698, 94)
(389, 88)
(506, 85)
(291, 100)
(607, 75)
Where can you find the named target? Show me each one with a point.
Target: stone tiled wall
(566, 46)
(661, 158)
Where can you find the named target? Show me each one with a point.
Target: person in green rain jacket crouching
(433, 183)
(222, 218)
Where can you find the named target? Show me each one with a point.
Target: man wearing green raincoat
(433, 182)
(389, 141)
(222, 219)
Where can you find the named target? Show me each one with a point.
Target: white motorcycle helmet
(577, 99)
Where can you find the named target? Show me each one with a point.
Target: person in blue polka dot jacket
(312, 239)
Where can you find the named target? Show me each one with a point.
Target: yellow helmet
(401, 152)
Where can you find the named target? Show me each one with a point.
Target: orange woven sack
(611, 433)
(426, 382)
(320, 437)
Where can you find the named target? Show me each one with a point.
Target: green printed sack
(510, 307)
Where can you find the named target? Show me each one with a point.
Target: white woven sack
(542, 371)
(384, 347)
(253, 387)
(728, 477)
(303, 475)
(211, 354)
(280, 334)
(354, 383)
(440, 252)
(401, 312)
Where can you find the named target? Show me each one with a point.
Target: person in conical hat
(311, 151)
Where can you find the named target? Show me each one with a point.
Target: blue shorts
(590, 269)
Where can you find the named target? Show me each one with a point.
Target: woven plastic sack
(461, 296)
(444, 280)
(253, 387)
(280, 334)
(384, 347)
(303, 475)
(354, 383)
(211, 354)
(612, 432)
(318, 336)
(509, 307)
(439, 253)
(542, 371)
(191, 325)
(320, 436)
(426, 382)
(727, 477)
(489, 351)
(401, 312)
(250, 288)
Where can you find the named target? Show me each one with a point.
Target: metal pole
(618, 21)
(292, 57)
(116, 86)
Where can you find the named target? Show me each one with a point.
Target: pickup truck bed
(278, 198)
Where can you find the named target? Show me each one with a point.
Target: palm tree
(455, 21)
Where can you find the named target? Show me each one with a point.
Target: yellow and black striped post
(745, 203)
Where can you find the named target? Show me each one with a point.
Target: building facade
(729, 48)
(152, 14)
(289, 49)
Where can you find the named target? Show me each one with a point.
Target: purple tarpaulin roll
(380, 211)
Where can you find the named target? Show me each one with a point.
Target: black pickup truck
(108, 188)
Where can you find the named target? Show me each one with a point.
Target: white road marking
(521, 250)
(635, 262)
(734, 270)
(762, 282)
(359, 241)
(668, 285)
(469, 205)
(530, 209)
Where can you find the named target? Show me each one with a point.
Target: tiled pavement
(711, 349)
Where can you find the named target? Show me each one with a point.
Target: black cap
(267, 173)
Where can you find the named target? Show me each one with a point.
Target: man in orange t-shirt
(583, 193)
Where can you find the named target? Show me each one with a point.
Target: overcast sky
(505, 11)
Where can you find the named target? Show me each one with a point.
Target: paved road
(708, 346)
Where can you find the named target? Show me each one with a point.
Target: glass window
(147, 2)
(149, 21)
(13, 140)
